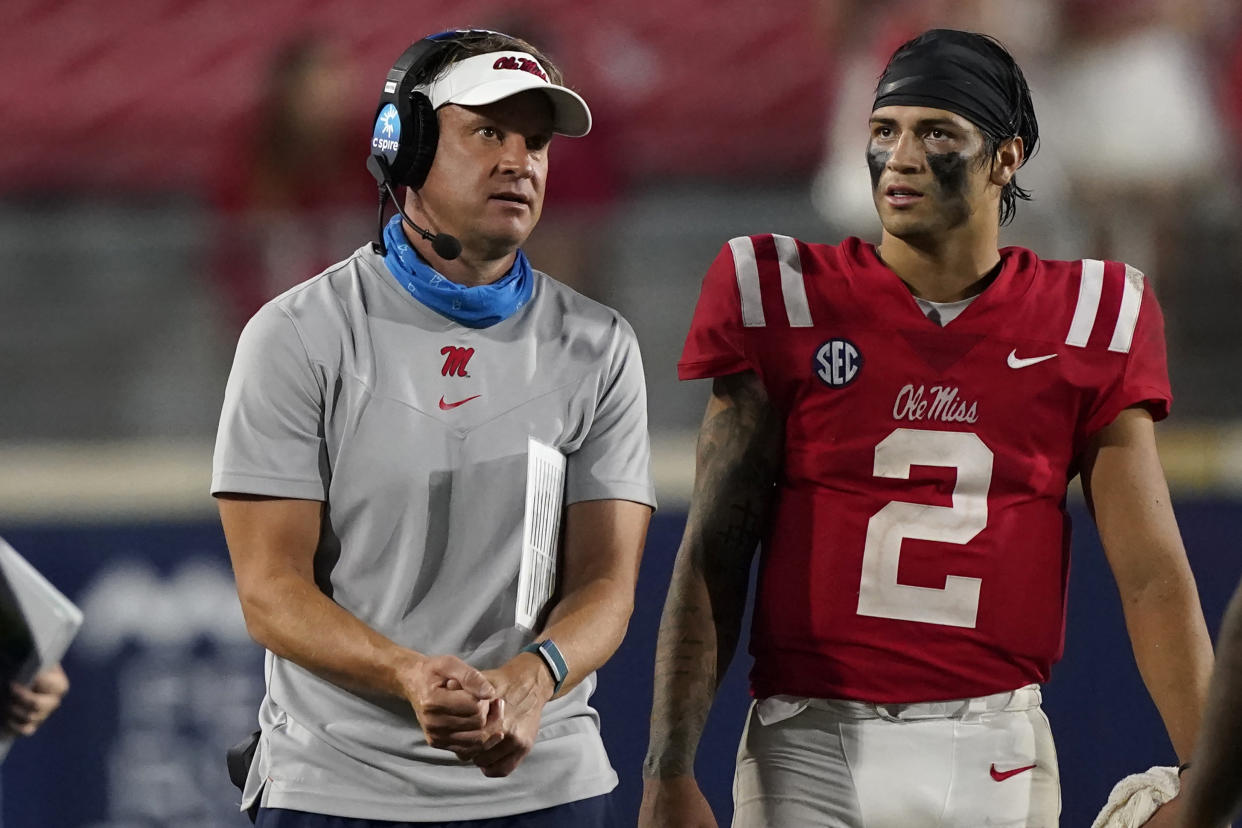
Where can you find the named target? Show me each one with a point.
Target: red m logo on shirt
(455, 360)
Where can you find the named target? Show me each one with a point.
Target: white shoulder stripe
(1127, 318)
(792, 285)
(1089, 290)
(747, 271)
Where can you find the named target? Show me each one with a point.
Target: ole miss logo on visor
(523, 64)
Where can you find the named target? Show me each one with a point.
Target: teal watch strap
(551, 655)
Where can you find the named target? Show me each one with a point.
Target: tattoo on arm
(739, 452)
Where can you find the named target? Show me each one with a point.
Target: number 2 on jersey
(880, 595)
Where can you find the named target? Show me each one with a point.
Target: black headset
(406, 131)
(405, 136)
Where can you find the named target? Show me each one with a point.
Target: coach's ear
(1009, 156)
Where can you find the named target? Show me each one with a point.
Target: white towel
(1135, 798)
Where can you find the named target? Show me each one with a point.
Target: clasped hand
(490, 718)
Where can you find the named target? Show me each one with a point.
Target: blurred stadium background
(168, 165)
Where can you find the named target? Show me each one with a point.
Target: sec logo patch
(838, 363)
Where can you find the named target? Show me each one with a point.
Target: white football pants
(815, 763)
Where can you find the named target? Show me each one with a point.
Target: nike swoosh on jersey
(1001, 776)
(448, 406)
(1016, 361)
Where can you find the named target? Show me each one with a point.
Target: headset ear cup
(424, 135)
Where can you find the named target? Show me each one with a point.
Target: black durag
(958, 71)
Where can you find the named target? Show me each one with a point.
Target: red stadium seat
(142, 95)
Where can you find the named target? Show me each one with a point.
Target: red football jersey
(920, 544)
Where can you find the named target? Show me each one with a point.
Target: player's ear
(1009, 156)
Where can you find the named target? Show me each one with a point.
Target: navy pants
(595, 812)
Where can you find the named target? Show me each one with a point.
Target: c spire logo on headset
(387, 135)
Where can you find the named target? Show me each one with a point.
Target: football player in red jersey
(898, 425)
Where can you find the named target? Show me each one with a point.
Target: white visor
(485, 79)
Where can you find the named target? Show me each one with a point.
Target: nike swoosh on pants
(1001, 776)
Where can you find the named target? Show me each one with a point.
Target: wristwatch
(551, 655)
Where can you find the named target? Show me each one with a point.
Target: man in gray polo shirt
(371, 471)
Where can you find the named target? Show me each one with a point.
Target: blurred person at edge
(288, 196)
(26, 708)
(1139, 127)
(1213, 793)
(899, 424)
(1231, 84)
(371, 470)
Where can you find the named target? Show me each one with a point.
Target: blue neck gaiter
(474, 307)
